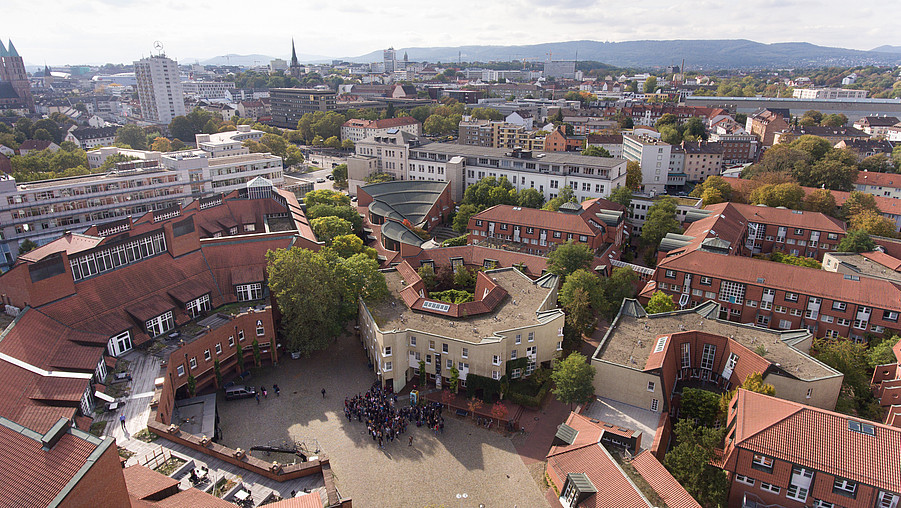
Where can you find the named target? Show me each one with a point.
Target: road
(292, 178)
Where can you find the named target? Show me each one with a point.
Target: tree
(333, 142)
(873, 223)
(530, 198)
(834, 120)
(878, 163)
(192, 385)
(348, 245)
(623, 196)
(572, 379)
(811, 117)
(789, 195)
(461, 219)
(51, 128)
(859, 202)
(633, 175)
(490, 191)
(619, 286)
(325, 197)
(487, 114)
(379, 177)
(701, 406)
(27, 246)
(661, 219)
(596, 151)
(569, 257)
(347, 145)
(694, 130)
(257, 360)
(851, 359)
(317, 292)
(650, 84)
(580, 317)
(713, 183)
(340, 175)
(660, 302)
(161, 144)
(455, 381)
(566, 196)
(689, 463)
(856, 241)
(327, 228)
(814, 146)
(43, 135)
(427, 274)
(180, 127)
(133, 136)
(582, 279)
(666, 119)
(820, 200)
(345, 212)
(881, 353)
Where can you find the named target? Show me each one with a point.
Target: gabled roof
(818, 439)
(35, 144)
(878, 179)
(3, 51)
(12, 49)
(72, 243)
(878, 121)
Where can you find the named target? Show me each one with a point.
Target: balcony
(752, 501)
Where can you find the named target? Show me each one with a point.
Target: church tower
(12, 71)
(294, 68)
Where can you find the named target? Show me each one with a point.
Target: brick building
(597, 223)
(782, 453)
(887, 388)
(765, 123)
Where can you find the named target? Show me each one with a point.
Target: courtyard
(463, 459)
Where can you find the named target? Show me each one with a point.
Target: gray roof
(571, 158)
(399, 233)
(404, 199)
(582, 483)
(674, 241)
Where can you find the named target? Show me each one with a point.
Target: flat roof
(250, 157)
(572, 158)
(519, 309)
(621, 343)
(86, 179)
(852, 263)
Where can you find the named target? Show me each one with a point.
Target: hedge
(530, 401)
(490, 387)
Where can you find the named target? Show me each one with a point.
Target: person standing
(122, 422)
(411, 440)
(257, 395)
(323, 393)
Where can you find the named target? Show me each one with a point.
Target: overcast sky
(121, 31)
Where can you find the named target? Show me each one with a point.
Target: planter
(239, 453)
(172, 429)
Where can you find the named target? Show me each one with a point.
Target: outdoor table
(242, 495)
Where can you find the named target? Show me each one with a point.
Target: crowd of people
(385, 421)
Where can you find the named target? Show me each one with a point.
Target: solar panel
(440, 307)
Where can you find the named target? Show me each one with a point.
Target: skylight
(661, 343)
(440, 307)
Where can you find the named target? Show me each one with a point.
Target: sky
(121, 31)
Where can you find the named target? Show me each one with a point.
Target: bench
(462, 412)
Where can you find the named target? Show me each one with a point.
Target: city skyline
(345, 30)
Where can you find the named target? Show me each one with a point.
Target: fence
(156, 458)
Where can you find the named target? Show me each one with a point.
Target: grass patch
(146, 436)
(125, 453)
(97, 428)
(170, 466)
(156, 347)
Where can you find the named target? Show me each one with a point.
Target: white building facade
(654, 156)
(159, 89)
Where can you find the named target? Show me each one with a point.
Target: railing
(752, 501)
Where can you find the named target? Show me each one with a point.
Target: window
(795, 312)
(240, 335)
(863, 428)
(762, 463)
(495, 374)
(180, 370)
(218, 348)
(791, 297)
(705, 281)
(412, 340)
(686, 355)
(465, 353)
(890, 315)
(780, 309)
(651, 386)
(516, 374)
(428, 359)
(819, 503)
(387, 351)
(732, 292)
(248, 292)
(449, 364)
(231, 341)
(796, 492)
(769, 487)
(518, 339)
(160, 324)
(765, 305)
(531, 336)
(195, 307)
(193, 362)
(740, 478)
(496, 360)
(388, 366)
(844, 487)
(431, 345)
(839, 306)
(785, 324)
(444, 347)
(707, 356)
(513, 354)
(654, 404)
(206, 355)
(670, 274)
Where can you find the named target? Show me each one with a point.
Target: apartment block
(879, 184)
(597, 223)
(358, 129)
(653, 155)
(702, 159)
(829, 93)
(159, 89)
(784, 453)
(290, 104)
(737, 148)
(765, 123)
(876, 125)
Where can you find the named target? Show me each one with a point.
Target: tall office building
(159, 89)
(389, 56)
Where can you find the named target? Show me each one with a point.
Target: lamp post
(461, 497)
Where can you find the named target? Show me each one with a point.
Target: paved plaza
(464, 459)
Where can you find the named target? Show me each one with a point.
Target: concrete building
(87, 138)
(828, 93)
(560, 69)
(475, 132)
(159, 89)
(702, 159)
(876, 125)
(290, 104)
(358, 129)
(654, 157)
(207, 89)
(851, 108)
(613, 143)
(737, 148)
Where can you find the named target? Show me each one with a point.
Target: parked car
(320, 180)
(239, 392)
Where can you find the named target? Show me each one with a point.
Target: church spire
(294, 62)
(12, 49)
(3, 51)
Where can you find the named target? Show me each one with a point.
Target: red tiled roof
(663, 483)
(878, 179)
(818, 439)
(32, 476)
(783, 217)
(143, 482)
(475, 255)
(883, 259)
(150, 307)
(831, 285)
(35, 144)
(40, 341)
(195, 499)
(394, 122)
(70, 244)
(311, 500)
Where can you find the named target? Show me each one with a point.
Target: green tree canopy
(661, 219)
(487, 114)
(582, 280)
(623, 196)
(689, 463)
(573, 378)
(461, 219)
(133, 136)
(530, 198)
(702, 406)
(569, 257)
(789, 195)
(856, 240)
(881, 353)
(633, 175)
(619, 286)
(596, 151)
(660, 302)
(345, 212)
(340, 175)
(349, 245)
(873, 223)
(820, 200)
(317, 293)
(566, 196)
(327, 228)
(325, 197)
(714, 185)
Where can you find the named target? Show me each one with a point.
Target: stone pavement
(464, 459)
(144, 369)
(540, 427)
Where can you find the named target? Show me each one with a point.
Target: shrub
(452, 296)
